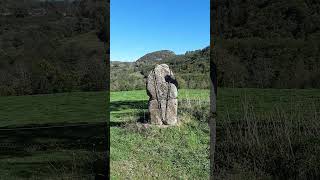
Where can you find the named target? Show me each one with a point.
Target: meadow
(261, 134)
(52, 136)
(140, 152)
(268, 134)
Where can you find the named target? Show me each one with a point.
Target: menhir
(162, 92)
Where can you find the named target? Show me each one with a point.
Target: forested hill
(297, 19)
(268, 43)
(155, 56)
(52, 46)
(191, 69)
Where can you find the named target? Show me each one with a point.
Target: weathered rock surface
(162, 92)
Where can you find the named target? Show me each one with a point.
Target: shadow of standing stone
(162, 91)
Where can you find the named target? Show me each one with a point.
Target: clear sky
(142, 26)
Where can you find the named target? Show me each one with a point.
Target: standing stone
(162, 92)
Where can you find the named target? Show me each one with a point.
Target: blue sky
(142, 26)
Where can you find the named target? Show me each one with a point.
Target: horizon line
(156, 51)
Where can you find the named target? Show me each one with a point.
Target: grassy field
(261, 134)
(56, 152)
(165, 153)
(268, 134)
(53, 109)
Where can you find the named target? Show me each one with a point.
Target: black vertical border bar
(107, 46)
(213, 84)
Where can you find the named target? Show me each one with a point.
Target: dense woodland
(268, 43)
(52, 46)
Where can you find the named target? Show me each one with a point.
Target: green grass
(262, 133)
(165, 153)
(63, 164)
(53, 108)
(142, 95)
(130, 103)
(61, 153)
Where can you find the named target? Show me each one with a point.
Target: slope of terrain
(267, 44)
(61, 48)
(191, 70)
(155, 56)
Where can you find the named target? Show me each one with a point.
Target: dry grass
(283, 143)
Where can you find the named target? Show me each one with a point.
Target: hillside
(45, 49)
(268, 44)
(155, 56)
(191, 69)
